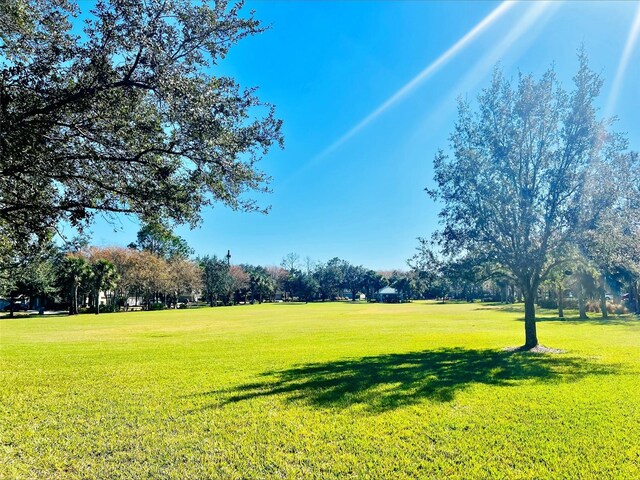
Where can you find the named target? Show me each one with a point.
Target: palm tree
(105, 277)
(74, 271)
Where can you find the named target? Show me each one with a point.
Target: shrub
(547, 303)
(612, 308)
(567, 304)
(157, 306)
(103, 309)
(616, 308)
(201, 304)
(593, 306)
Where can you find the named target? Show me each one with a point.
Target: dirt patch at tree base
(536, 349)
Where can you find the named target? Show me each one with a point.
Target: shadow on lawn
(501, 307)
(595, 319)
(547, 315)
(389, 381)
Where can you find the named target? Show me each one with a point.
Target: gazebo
(389, 295)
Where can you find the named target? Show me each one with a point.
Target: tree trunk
(12, 300)
(560, 302)
(581, 303)
(71, 299)
(98, 302)
(603, 298)
(530, 333)
(74, 301)
(636, 292)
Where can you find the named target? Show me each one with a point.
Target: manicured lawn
(318, 391)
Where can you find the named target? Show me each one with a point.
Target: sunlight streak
(422, 76)
(530, 25)
(624, 63)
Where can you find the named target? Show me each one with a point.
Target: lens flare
(485, 23)
(624, 63)
(518, 38)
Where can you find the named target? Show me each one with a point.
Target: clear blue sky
(328, 65)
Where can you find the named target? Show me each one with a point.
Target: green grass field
(336, 390)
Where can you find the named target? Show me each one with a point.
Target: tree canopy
(524, 179)
(160, 240)
(128, 116)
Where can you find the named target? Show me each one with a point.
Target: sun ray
(530, 25)
(616, 86)
(484, 24)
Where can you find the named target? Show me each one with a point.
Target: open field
(318, 391)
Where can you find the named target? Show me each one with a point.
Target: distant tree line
(158, 271)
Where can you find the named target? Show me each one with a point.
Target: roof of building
(388, 291)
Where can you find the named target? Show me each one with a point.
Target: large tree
(261, 284)
(611, 243)
(103, 279)
(372, 282)
(36, 277)
(127, 117)
(330, 278)
(522, 181)
(161, 241)
(238, 284)
(150, 276)
(215, 279)
(354, 278)
(186, 278)
(73, 272)
(302, 285)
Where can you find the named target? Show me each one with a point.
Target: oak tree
(131, 116)
(521, 183)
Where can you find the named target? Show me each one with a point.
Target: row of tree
(78, 278)
(156, 272)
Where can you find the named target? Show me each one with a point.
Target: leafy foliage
(73, 272)
(522, 184)
(159, 240)
(129, 117)
(215, 279)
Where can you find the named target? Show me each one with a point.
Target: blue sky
(328, 65)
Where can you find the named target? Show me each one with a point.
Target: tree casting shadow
(389, 381)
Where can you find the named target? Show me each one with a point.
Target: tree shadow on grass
(502, 307)
(596, 319)
(385, 382)
(571, 316)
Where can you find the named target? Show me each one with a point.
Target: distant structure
(390, 295)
